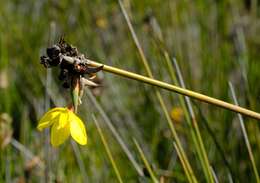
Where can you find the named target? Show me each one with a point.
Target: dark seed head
(53, 52)
(57, 55)
(64, 74)
(45, 61)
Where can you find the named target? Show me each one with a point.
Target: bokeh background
(214, 42)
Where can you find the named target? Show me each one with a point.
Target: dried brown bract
(71, 64)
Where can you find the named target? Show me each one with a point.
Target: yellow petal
(59, 133)
(48, 117)
(63, 118)
(177, 114)
(77, 129)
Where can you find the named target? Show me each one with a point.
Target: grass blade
(205, 122)
(115, 133)
(119, 178)
(47, 148)
(28, 154)
(182, 161)
(214, 175)
(158, 94)
(241, 121)
(193, 122)
(80, 161)
(146, 163)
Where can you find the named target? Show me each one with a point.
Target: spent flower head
(75, 73)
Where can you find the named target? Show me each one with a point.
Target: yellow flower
(177, 114)
(64, 122)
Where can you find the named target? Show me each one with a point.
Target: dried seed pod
(53, 52)
(45, 61)
(71, 63)
(63, 74)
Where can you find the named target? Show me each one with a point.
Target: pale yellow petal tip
(77, 129)
(83, 141)
(80, 138)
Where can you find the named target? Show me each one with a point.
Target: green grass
(214, 42)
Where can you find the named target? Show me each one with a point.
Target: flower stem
(182, 91)
(75, 87)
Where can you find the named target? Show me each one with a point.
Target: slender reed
(205, 122)
(28, 154)
(197, 139)
(7, 168)
(182, 161)
(241, 121)
(214, 175)
(188, 111)
(189, 115)
(158, 94)
(119, 178)
(80, 161)
(47, 148)
(146, 163)
(115, 133)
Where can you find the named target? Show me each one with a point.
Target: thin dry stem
(243, 128)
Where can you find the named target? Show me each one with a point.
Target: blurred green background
(214, 42)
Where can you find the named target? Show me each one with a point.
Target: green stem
(182, 91)
(243, 128)
(191, 119)
(75, 87)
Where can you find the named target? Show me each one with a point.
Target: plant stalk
(182, 91)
